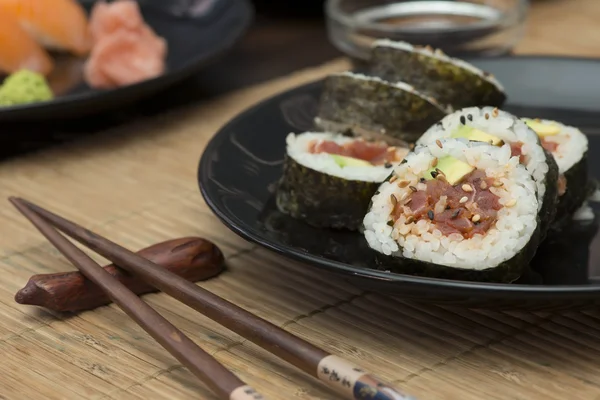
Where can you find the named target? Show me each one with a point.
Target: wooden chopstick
(345, 377)
(218, 378)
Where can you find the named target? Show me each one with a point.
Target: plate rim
(525, 290)
(14, 113)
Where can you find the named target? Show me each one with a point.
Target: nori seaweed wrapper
(375, 109)
(548, 211)
(579, 188)
(448, 83)
(506, 272)
(564, 258)
(322, 200)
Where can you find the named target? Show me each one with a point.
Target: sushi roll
(328, 179)
(456, 209)
(375, 109)
(569, 147)
(451, 81)
(499, 128)
(19, 51)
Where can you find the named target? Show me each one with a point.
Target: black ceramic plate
(244, 159)
(196, 31)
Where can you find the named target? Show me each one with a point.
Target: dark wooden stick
(192, 258)
(218, 378)
(342, 375)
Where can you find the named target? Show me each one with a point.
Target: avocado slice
(543, 129)
(453, 169)
(344, 161)
(468, 132)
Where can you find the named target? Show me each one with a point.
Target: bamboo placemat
(137, 186)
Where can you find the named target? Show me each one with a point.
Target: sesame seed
(422, 180)
(463, 199)
(495, 112)
(467, 188)
(437, 141)
(435, 161)
(470, 117)
(439, 171)
(390, 223)
(511, 203)
(393, 178)
(430, 214)
(403, 184)
(407, 202)
(410, 220)
(487, 116)
(411, 146)
(434, 174)
(393, 199)
(498, 183)
(463, 120)
(414, 189)
(392, 148)
(483, 185)
(387, 165)
(476, 218)
(456, 213)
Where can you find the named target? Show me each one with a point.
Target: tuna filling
(549, 146)
(467, 208)
(376, 153)
(516, 151)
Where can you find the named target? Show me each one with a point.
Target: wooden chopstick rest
(192, 258)
(218, 378)
(345, 377)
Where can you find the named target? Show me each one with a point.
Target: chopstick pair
(346, 378)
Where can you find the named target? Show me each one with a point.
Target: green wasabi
(24, 87)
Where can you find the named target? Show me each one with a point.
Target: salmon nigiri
(56, 24)
(18, 50)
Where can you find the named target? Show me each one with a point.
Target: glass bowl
(458, 27)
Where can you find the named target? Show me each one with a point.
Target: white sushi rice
(517, 220)
(439, 55)
(502, 125)
(400, 85)
(298, 149)
(572, 144)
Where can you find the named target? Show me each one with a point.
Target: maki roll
(451, 81)
(328, 179)
(456, 209)
(499, 128)
(375, 109)
(569, 147)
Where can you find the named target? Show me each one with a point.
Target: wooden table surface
(137, 185)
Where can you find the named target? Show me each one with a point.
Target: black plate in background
(194, 40)
(244, 159)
